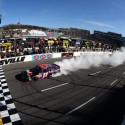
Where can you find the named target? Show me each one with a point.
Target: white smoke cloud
(91, 59)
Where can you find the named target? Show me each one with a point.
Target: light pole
(0, 18)
(0, 27)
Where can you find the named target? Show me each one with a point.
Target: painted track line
(1, 122)
(95, 73)
(111, 67)
(53, 87)
(114, 82)
(8, 112)
(80, 106)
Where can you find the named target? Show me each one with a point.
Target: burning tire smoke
(91, 59)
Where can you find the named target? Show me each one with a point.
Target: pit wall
(35, 57)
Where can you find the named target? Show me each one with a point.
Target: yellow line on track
(1, 122)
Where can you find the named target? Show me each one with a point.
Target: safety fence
(43, 56)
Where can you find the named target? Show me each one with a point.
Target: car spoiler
(56, 65)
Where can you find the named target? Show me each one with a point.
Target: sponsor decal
(42, 56)
(12, 60)
(36, 57)
(49, 55)
(67, 54)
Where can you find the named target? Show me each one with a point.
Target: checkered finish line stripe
(8, 110)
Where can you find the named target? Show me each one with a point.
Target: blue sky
(102, 15)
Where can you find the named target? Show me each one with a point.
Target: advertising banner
(67, 54)
(42, 56)
(57, 55)
(12, 60)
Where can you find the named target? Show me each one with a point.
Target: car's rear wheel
(34, 78)
(23, 78)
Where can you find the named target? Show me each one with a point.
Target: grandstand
(109, 38)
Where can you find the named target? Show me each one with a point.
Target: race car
(40, 72)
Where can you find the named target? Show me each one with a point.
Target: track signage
(12, 60)
(66, 54)
(42, 56)
(36, 57)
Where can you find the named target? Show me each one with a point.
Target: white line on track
(114, 82)
(95, 73)
(110, 67)
(80, 106)
(123, 72)
(54, 87)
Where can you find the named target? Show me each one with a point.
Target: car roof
(43, 66)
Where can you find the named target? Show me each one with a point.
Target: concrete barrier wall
(42, 56)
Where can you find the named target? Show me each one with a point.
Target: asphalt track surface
(75, 99)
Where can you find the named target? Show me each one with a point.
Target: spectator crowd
(21, 48)
(99, 41)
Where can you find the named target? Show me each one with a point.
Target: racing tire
(34, 79)
(23, 78)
